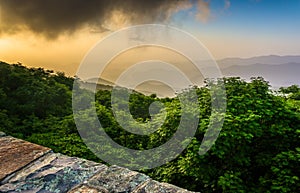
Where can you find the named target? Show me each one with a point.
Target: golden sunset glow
(62, 43)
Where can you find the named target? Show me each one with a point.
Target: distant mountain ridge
(271, 59)
(280, 75)
(280, 71)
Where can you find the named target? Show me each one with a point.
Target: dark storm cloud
(53, 17)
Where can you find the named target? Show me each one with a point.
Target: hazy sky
(56, 34)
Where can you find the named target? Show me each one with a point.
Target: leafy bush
(257, 150)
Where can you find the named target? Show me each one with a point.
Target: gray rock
(27, 167)
(52, 173)
(16, 154)
(117, 179)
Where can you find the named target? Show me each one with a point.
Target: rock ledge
(27, 167)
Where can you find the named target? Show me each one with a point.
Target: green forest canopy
(257, 151)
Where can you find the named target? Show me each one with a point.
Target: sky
(57, 34)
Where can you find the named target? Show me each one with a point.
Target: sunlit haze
(32, 35)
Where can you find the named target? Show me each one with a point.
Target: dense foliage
(258, 149)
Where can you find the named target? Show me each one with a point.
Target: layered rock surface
(27, 167)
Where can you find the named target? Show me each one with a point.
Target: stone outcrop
(27, 167)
